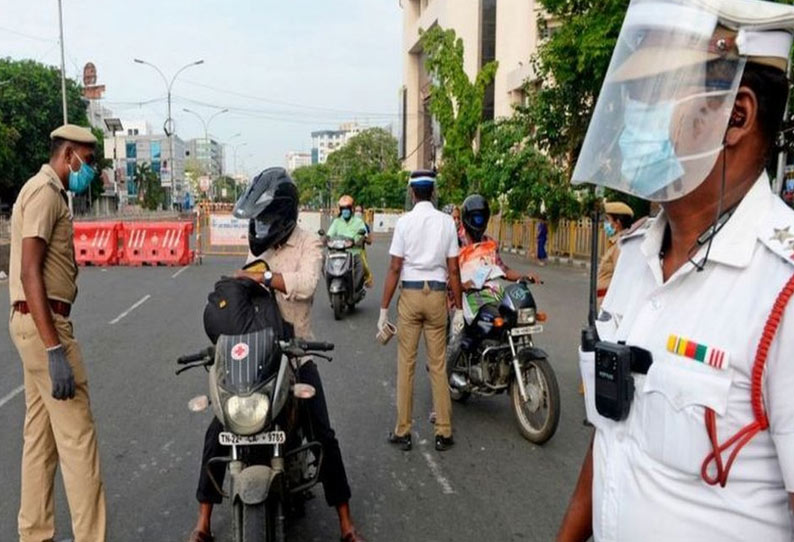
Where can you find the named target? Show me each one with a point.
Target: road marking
(175, 275)
(11, 395)
(140, 302)
(435, 468)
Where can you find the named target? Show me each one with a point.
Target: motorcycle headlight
(526, 316)
(246, 415)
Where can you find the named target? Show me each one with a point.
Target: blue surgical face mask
(80, 180)
(649, 159)
(609, 229)
(790, 185)
(346, 214)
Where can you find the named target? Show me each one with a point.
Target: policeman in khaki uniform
(618, 221)
(702, 447)
(58, 427)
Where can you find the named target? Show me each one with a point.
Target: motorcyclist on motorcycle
(294, 259)
(348, 225)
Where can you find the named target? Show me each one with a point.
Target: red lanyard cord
(761, 422)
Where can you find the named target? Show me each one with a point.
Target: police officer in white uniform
(688, 117)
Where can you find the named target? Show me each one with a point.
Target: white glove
(457, 321)
(383, 319)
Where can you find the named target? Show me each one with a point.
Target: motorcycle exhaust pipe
(458, 381)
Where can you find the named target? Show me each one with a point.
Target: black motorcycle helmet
(271, 203)
(475, 213)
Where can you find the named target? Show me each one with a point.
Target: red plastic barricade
(157, 243)
(96, 243)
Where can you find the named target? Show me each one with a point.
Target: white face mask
(359, 214)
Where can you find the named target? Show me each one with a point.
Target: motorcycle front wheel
(338, 304)
(258, 522)
(538, 417)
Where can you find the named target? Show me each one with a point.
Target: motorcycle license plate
(269, 438)
(528, 330)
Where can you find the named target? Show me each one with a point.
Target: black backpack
(237, 306)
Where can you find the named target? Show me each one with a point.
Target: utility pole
(63, 65)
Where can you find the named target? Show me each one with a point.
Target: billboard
(225, 230)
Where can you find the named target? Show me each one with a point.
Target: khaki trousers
(422, 310)
(56, 431)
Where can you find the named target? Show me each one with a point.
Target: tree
(314, 185)
(150, 190)
(368, 169)
(30, 108)
(510, 170)
(456, 103)
(225, 188)
(572, 65)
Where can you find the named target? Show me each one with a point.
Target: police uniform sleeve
(301, 284)
(397, 248)
(40, 213)
(779, 394)
(452, 247)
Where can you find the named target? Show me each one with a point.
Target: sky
(283, 68)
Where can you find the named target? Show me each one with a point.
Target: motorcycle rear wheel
(544, 398)
(338, 304)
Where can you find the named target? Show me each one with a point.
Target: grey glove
(60, 373)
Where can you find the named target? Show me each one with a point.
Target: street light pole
(168, 127)
(63, 65)
(206, 125)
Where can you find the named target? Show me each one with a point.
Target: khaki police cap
(617, 208)
(71, 132)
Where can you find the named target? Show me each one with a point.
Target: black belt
(420, 285)
(58, 307)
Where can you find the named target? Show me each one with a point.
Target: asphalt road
(492, 486)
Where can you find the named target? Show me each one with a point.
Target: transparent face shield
(660, 120)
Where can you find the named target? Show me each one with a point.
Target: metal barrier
(568, 239)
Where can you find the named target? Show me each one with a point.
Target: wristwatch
(268, 277)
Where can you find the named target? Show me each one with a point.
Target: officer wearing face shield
(694, 433)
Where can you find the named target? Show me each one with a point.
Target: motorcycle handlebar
(316, 346)
(207, 353)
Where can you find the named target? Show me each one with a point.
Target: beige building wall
(516, 42)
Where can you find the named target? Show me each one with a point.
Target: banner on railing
(385, 222)
(228, 231)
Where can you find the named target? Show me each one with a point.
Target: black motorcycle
(344, 275)
(496, 353)
(254, 392)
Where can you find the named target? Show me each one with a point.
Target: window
(132, 150)
(155, 148)
(132, 189)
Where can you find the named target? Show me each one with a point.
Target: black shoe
(444, 443)
(404, 441)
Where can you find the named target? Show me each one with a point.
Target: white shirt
(647, 484)
(424, 238)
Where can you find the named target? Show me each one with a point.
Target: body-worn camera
(614, 382)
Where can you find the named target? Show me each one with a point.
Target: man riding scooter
(350, 226)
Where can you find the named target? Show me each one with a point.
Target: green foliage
(30, 108)
(572, 65)
(457, 104)
(227, 184)
(368, 169)
(150, 193)
(313, 184)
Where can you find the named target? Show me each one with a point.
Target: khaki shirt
(42, 210)
(606, 267)
(299, 261)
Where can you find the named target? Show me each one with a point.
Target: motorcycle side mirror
(303, 391)
(198, 403)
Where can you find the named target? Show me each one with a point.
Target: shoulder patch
(777, 232)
